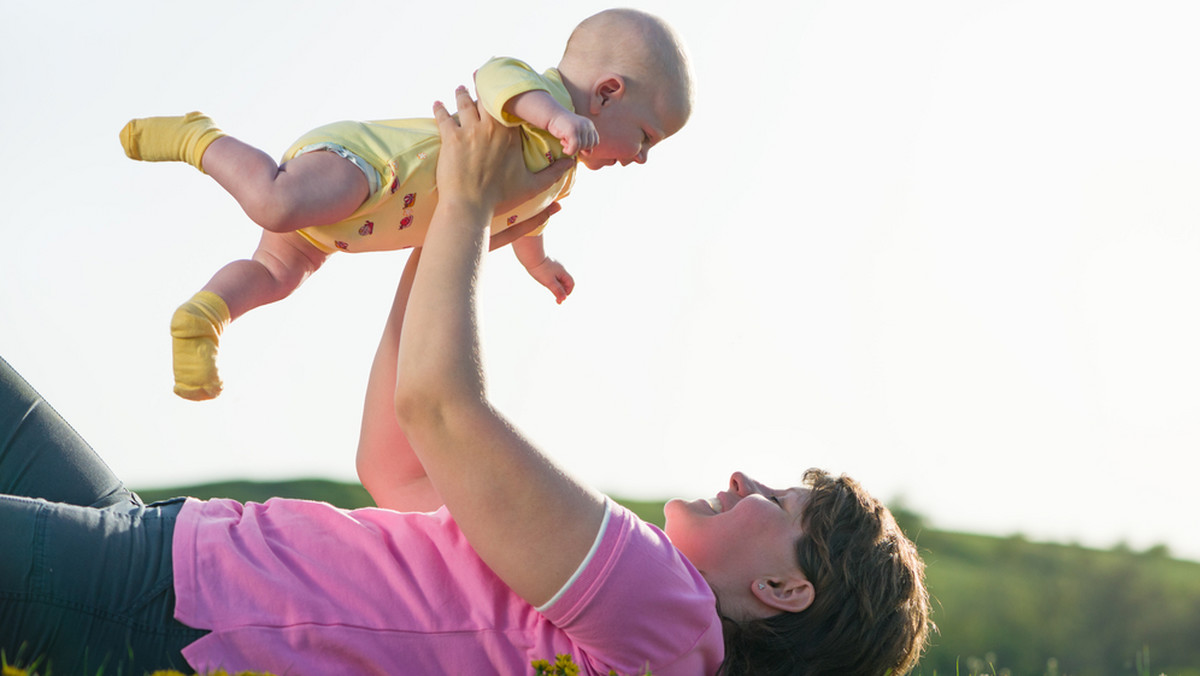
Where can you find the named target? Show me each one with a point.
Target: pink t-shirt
(297, 587)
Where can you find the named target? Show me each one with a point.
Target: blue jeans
(86, 577)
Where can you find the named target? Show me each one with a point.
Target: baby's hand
(574, 131)
(552, 275)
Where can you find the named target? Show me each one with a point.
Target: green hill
(1002, 605)
(349, 496)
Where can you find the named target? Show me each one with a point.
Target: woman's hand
(481, 161)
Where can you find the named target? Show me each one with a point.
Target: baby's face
(629, 127)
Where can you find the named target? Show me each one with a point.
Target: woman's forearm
(439, 355)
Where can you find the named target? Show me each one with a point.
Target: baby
(623, 85)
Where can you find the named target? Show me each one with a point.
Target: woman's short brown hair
(870, 616)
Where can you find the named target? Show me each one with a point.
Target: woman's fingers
(468, 110)
(441, 115)
(510, 235)
(522, 184)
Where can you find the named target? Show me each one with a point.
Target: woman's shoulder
(638, 600)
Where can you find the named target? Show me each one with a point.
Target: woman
(518, 561)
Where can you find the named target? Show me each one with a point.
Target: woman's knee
(42, 456)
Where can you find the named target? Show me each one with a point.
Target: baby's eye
(775, 500)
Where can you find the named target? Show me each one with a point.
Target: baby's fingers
(565, 285)
(556, 288)
(567, 281)
(590, 139)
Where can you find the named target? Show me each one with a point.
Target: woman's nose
(740, 484)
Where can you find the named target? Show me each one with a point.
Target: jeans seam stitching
(40, 581)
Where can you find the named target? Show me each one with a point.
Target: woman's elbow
(411, 407)
(429, 412)
(420, 403)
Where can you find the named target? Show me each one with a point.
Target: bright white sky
(950, 248)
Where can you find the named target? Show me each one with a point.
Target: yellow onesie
(404, 155)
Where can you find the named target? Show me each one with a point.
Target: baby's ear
(607, 89)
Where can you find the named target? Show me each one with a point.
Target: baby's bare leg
(280, 264)
(316, 188)
(278, 267)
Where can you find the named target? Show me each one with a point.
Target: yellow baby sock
(195, 331)
(181, 138)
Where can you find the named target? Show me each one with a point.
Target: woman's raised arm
(528, 519)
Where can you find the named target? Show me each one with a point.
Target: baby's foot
(195, 332)
(181, 138)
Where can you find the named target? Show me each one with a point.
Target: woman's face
(746, 533)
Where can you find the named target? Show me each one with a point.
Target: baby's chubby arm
(538, 107)
(531, 251)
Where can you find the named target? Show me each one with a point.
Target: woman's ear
(790, 594)
(608, 88)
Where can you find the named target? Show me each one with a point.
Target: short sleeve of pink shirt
(301, 587)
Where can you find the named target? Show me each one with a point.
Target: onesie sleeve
(637, 603)
(502, 78)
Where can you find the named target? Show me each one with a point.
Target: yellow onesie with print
(404, 155)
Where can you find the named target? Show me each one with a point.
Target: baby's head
(628, 73)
